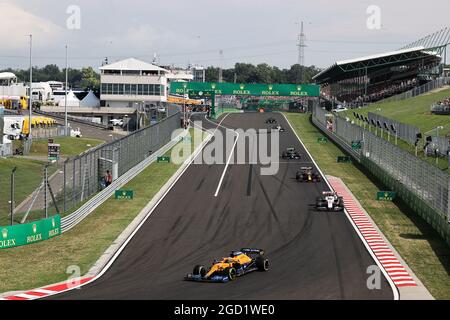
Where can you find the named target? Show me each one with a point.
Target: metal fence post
(13, 173)
(64, 187)
(45, 190)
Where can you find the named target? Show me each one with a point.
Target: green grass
(69, 146)
(27, 178)
(419, 245)
(414, 111)
(45, 263)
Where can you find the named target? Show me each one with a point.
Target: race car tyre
(199, 271)
(262, 263)
(232, 274)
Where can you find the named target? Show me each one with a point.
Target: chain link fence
(424, 187)
(84, 175)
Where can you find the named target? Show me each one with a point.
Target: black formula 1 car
(306, 174)
(271, 121)
(227, 269)
(291, 154)
(330, 201)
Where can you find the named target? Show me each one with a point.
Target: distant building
(131, 82)
(199, 74)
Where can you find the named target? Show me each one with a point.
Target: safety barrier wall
(425, 188)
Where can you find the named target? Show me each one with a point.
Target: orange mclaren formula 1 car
(227, 269)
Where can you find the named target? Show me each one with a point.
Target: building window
(104, 88)
(127, 89)
(140, 89)
(120, 88)
(133, 89)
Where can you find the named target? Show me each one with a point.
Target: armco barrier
(426, 194)
(24, 234)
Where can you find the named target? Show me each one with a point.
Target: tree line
(88, 78)
(263, 73)
(85, 78)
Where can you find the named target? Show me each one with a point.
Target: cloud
(16, 24)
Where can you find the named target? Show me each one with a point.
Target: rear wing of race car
(252, 251)
(328, 193)
(306, 168)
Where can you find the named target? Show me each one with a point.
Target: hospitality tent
(90, 101)
(72, 100)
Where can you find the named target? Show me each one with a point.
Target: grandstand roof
(353, 67)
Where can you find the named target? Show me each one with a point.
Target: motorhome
(42, 91)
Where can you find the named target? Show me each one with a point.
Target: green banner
(343, 159)
(124, 194)
(386, 195)
(24, 234)
(281, 90)
(163, 159)
(357, 145)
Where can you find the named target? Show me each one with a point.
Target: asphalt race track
(313, 255)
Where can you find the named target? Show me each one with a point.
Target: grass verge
(69, 146)
(45, 263)
(417, 112)
(419, 245)
(414, 111)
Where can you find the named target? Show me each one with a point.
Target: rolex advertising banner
(268, 90)
(24, 234)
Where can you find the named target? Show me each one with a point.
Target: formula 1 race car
(227, 269)
(306, 174)
(278, 128)
(330, 201)
(291, 154)
(271, 121)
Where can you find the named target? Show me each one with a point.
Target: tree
(89, 79)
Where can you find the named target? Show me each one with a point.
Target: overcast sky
(195, 31)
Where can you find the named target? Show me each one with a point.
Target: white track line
(383, 270)
(231, 153)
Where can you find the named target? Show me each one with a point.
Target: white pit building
(132, 83)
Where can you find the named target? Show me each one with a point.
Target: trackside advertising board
(246, 89)
(24, 234)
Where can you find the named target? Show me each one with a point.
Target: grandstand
(361, 81)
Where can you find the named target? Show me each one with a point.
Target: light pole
(184, 105)
(30, 103)
(67, 83)
(128, 122)
(13, 173)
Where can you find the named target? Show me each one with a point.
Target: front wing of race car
(324, 207)
(213, 279)
(217, 278)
